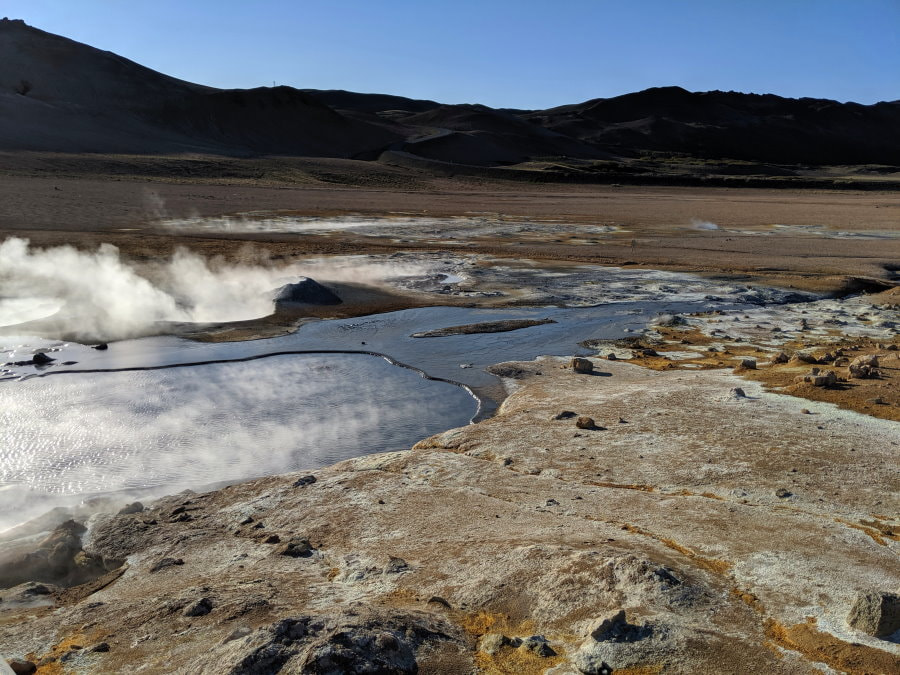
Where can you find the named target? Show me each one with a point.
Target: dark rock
(41, 359)
(565, 415)
(201, 607)
(612, 357)
(537, 644)
(272, 539)
(102, 347)
(166, 562)
(396, 565)
(21, 666)
(134, 507)
(100, 647)
(304, 480)
(580, 365)
(296, 548)
(737, 392)
(585, 422)
(306, 291)
(438, 600)
(875, 613)
(781, 493)
(649, 352)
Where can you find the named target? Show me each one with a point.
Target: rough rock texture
(306, 291)
(520, 526)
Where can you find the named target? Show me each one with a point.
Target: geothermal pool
(163, 413)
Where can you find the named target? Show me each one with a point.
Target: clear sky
(503, 53)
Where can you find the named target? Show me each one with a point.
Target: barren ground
(735, 531)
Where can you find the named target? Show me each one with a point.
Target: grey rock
(875, 613)
(306, 291)
(200, 607)
(305, 480)
(297, 547)
(492, 643)
(166, 562)
(565, 415)
(537, 644)
(134, 507)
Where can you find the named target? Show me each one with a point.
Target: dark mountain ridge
(63, 96)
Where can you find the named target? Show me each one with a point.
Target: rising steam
(104, 297)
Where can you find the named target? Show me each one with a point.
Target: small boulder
(166, 562)
(305, 480)
(306, 291)
(201, 607)
(875, 613)
(296, 548)
(41, 359)
(780, 357)
(749, 364)
(492, 643)
(565, 415)
(585, 422)
(580, 365)
(538, 645)
(21, 666)
(134, 507)
(612, 357)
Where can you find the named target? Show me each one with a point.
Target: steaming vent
(306, 291)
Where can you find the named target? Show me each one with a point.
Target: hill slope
(62, 96)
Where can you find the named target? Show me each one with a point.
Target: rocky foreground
(621, 519)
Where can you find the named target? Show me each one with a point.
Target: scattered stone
(305, 480)
(272, 539)
(649, 352)
(537, 644)
(870, 360)
(800, 358)
(862, 371)
(565, 415)
(805, 411)
(296, 548)
(737, 392)
(166, 562)
(246, 521)
(612, 357)
(134, 507)
(781, 493)
(875, 613)
(585, 422)
(492, 643)
(780, 357)
(749, 364)
(100, 647)
(21, 666)
(41, 359)
(201, 607)
(580, 365)
(102, 347)
(396, 565)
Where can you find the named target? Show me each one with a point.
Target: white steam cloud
(102, 297)
(698, 224)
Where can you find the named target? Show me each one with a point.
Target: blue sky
(525, 54)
